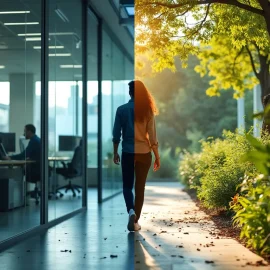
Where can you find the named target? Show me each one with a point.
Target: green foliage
(166, 28)
(187, 114)
(226, 173)
(252, 212)
(217, 170)
(228, 67)
(252, 207)
(188, 170)
(222, 169)
(168, 167)
(233, 39)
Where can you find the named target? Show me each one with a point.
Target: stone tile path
(177, 235)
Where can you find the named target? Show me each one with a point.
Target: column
(241, 114)
(257, 107)
(21, 111)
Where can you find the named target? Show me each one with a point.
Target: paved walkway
(175, 235)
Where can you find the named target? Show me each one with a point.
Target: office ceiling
(126, 12)
(20, 55)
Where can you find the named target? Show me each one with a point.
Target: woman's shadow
(142, 255)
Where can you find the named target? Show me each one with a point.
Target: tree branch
(264, 4)
(202, 22)
(234, 62)
(205, 2)
(252, 62)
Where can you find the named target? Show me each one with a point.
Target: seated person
(32, 152)
(75, 166)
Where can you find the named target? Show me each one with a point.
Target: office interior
(70, 92)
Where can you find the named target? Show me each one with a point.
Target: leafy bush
(252, 207)
(222, 169)
(168, 167)
(188, 171)
(230, 168)
(253, 212)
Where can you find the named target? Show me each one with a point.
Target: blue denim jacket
(124, 126)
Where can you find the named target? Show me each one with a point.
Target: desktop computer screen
(68, 142)
(8, 140)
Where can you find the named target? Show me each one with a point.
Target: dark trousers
(138, 164)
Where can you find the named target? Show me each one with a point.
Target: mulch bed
(223, 220)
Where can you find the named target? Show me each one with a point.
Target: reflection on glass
(19, 131)
(115, 80)
(65, 108)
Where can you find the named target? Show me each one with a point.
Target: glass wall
(65, 107)
(22, 120)
(20, 70)
(92, 96)
(114, 94)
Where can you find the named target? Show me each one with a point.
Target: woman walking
(135, 122)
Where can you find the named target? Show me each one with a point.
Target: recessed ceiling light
(62, 34)
(59, 54)
(22, 23)
(70, 66)
(50, 47)
(2, 67)
(14, 12)
(33, 39)
(29, 34)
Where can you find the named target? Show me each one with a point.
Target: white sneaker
(131, 220)
(137, 226)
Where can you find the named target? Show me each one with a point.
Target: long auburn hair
(145, 104)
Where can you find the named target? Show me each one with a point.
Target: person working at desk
(32, 151)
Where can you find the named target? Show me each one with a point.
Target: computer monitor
(68, 142)
(8, 140)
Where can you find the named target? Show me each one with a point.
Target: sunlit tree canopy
(231, 67)
(166, 29)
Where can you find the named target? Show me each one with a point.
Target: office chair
(33, 176)
(72, 170)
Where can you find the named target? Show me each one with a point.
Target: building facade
(64, 67)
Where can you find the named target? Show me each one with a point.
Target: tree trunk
(264, 75)
(267, 20)
(266, 13)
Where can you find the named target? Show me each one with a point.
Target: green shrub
(168, 168)
(222, 169)
(252, 213)
(252, 207)
(188, 171)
